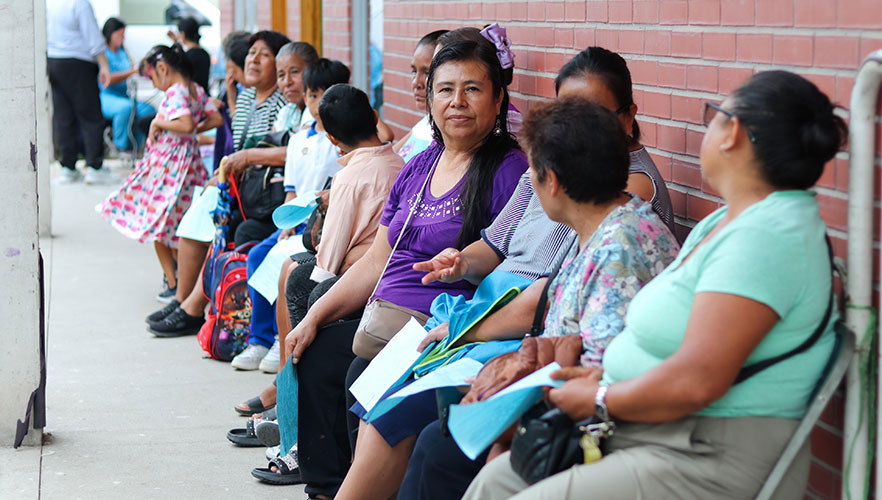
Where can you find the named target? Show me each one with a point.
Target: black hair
(273, 39)
(323, 73)
(473, 34)
(111, 26)
(486, 159)
(189, 27)
(174, 56)
(347, 114)
(303, 50)
(594, 171)
(793, 124)
(431, 38)
(610, 67)
(236, 47)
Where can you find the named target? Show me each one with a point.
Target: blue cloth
(263, 315)
(118, 62)
(286, 403)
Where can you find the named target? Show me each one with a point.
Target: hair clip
(495, 34)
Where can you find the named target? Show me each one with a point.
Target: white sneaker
(69, 176)
(270, 362)
(99, 176)
(249, 359)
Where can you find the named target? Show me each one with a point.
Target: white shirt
(311, 158)
(72, 31)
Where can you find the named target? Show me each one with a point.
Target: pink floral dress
(150, 203)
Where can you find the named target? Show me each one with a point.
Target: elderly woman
(116, 104)
(752, 282)
(449, 192)
(257, 108)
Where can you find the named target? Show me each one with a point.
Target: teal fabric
(286, 406)
(774, 253)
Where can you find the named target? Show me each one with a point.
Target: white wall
(19, 295)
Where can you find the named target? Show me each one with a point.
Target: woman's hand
(299, 339)
(448, 267)
(436, 334)
(287, 233)
(236, 163)
(576, 396)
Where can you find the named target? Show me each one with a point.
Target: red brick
(834, 211)
(821, 482)
(658, 105)
(678, 202)
(718, 46)
(754, 48)
(583, 38)
(575, 11)
(608, 39)
(702, 78)
(519, 11)
(672, 139)
(732, 78)
(648, 134)
(545, 87)
(672, 75)
(657, 43)
(563, 37)
(643, 72)
(836, 52)
(597, 11)
(555, 11)
(826, 83)
(503, 12)
(535, 11)
(488, 11)
(842, 175)
(698, 208)
(620, 11)
(686, 109)
(828, 177)
(630, 42)
(869, 45)
(693, 142)
(737, 13)
(844, 85)
(474, 10)
(543, 36)
(704, 12)
(673, 12)
(645, 12)
(685, 174)
(686, 44)
(814, 13)
(774, 13)
(859, 14)
(790, 49)
(662, 164)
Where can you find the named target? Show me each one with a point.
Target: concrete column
(19, 239)
(44, 122)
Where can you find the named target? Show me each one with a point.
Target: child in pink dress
(151, 202)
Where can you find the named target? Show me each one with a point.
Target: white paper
(389, 365)
(539, 378)
(265, 278)
(295, 211)
(451, 375)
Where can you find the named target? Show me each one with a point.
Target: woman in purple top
(472, 171)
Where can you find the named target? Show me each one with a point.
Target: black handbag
(261, 191)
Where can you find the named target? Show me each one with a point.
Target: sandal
(255, 405)
(288, 471)
(245, 438)
(267, 433)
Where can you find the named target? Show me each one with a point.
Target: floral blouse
(591, 293)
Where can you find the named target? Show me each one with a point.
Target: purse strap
(413, 210)
(539, 317)
(751, 370)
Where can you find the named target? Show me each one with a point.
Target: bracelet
(600, 408)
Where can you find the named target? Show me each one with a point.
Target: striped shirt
(642, 163)
(264, 114)
(529, 243)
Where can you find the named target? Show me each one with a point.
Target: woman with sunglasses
(752, 282)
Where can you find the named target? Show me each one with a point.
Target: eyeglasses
(711, 110)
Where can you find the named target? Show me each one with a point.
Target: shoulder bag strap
(751, 370)
(413, 210)
(539, 317)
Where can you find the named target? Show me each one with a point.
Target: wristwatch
(600, 408)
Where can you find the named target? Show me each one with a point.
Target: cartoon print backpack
(225, 285)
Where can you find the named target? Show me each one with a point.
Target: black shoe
(177, 324)
(161, 314)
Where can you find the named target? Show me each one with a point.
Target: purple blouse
(434, 227)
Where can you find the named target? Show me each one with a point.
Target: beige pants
(692, 458)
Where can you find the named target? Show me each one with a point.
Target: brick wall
(337, 30)
(680, 54)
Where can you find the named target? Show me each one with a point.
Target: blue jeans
(263, 314)
(119, 110)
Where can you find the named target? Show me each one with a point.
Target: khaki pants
(692, 458)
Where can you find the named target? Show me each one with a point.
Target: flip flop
(244, 438)
(289, 472)
(254, 406)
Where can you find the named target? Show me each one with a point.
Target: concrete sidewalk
(130, 416)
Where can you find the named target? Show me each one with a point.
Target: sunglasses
(711, 110)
